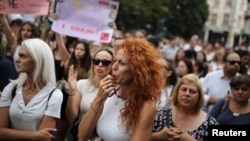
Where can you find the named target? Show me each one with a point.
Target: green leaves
(181, 17)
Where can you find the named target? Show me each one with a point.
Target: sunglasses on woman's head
(104, 62)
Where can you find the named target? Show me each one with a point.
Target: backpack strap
(224, 104)
(13, 92)
(51, 93)
(50, 96)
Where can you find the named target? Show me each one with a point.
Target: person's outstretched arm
(88, 123)
(74, 99)
(62, 48)
(11, 39)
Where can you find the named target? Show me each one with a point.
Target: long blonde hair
(44, 71)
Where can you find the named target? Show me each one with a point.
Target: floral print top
(163, 119)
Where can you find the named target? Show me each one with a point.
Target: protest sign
(86, 19)
(33, 7)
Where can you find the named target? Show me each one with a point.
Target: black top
(225, 116)
(7, 72)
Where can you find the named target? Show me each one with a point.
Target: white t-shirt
(215, 66)
(28, 117)
(197, 48)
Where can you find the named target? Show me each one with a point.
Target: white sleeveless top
(108, 126)
(88, 93)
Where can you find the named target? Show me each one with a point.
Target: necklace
(236, 114)
(241, 109)
(29, 96)
(119, 99)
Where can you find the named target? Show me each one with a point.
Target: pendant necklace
(236, 114)
(28, 96)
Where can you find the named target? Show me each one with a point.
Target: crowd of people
(137, 87)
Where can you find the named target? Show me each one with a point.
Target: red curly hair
(148, 78)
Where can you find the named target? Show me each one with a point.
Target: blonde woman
(31, 111)
(185, 119)
(83, 91)
(217, 61)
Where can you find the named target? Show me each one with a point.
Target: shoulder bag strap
(13, 92)
(51, 93)
(50, 96)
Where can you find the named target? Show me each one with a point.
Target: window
(226, 20)
(242, 4)
(216, 4)
(239, 22)
(228, 3)
(213, 19)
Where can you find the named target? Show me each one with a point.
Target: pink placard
(33, 7)
(86, 19)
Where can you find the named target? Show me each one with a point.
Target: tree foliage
(137, 14)
(180, 17)
(186, 17)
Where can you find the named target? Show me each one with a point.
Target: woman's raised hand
(106, 86)
(72, 78)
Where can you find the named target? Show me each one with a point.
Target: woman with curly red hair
(125, 105)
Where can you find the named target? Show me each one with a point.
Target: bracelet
(71, 94)
(91, 107)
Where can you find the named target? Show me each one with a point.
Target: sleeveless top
(109, 125)
(58, 69)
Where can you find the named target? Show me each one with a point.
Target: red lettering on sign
(104, 36)
(83, 30)
(106, 3)
(63, 25)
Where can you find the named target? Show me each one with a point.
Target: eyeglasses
(98, 61)
(232, 62)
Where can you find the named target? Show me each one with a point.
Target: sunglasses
(232, 62)
(104, 62)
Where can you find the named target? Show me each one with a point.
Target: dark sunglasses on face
(232, 62)
(104, 62)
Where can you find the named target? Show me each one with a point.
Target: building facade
(226, 22)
